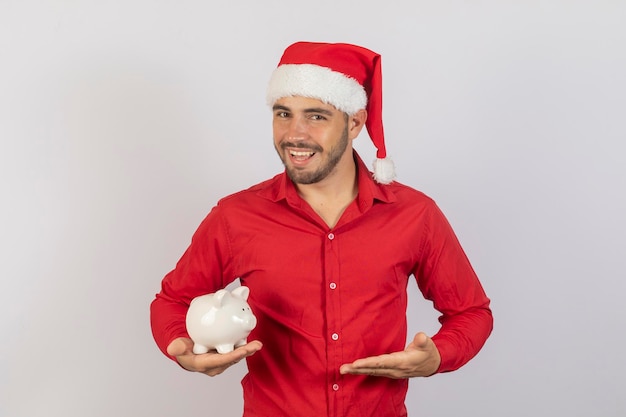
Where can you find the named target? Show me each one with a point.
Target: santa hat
(346, 76)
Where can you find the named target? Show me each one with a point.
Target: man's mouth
(301, 155)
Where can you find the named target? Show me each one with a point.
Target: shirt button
(333, 285)
(335, 387)
(331, 236)
(335, 336)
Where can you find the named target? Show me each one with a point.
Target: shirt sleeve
(199, 271)
(446, 277)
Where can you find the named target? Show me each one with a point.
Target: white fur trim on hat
(314, 81)
(384, 170)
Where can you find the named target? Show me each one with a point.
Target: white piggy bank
(220, 321)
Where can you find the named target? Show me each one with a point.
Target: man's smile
(301, 155)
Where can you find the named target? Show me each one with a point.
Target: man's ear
(356, 123)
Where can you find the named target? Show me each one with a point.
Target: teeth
(296, 153)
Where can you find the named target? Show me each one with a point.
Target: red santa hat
(346, 76)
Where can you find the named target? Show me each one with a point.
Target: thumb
(179, 346)
(420, 341)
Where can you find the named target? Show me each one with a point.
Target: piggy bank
(222, 320)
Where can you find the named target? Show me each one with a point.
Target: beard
(332, 158)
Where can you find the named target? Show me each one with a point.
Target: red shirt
(324, 297)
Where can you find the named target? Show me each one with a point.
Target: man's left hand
(420, 358)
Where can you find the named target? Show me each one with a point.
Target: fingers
(211, 363)
(420, 358)
(383, 365)
(241, 352)
(375, 362)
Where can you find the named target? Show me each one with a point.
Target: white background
(123, 122)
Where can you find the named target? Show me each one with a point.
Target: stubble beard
(334, 155)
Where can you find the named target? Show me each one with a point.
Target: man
(327, 249)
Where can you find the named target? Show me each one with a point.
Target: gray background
(123, 122)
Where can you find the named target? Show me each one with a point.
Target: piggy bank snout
(247, 321)
(250, 322)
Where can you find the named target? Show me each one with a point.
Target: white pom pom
(384, 170)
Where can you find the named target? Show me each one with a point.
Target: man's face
(311, 138)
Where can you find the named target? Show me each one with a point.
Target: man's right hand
(211, 363)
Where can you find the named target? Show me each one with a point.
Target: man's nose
(297, 128)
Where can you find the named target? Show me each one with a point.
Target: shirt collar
(282, 188)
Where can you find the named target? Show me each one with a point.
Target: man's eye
(317, 117)
(282, 114)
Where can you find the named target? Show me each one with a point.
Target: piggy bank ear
(219, 297)
(241, 292)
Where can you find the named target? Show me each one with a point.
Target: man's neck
(330, 197)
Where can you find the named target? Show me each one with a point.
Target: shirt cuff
(447, 353)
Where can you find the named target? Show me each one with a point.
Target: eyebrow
(319, 110)
(308, 110)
